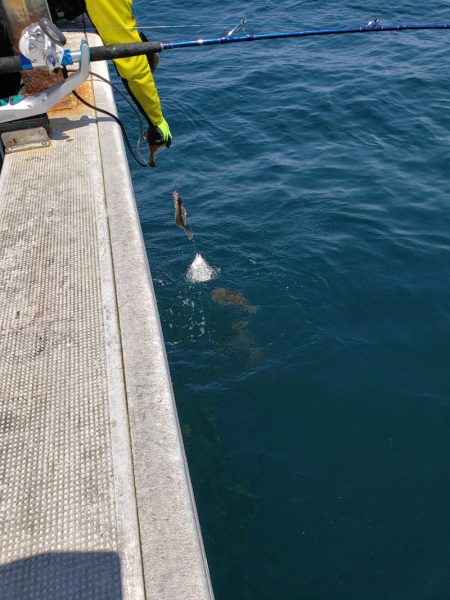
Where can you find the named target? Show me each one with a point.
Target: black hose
(119, 122)
(141, 135)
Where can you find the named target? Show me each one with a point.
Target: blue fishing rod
(20, 63)
(371, 27)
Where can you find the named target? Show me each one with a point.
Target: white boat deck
(95, 495)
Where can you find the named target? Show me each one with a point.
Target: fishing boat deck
(95, 495)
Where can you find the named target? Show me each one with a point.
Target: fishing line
(175, 186)
(373, 26)
(94, 30)
(174, 182)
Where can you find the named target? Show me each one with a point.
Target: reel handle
(52, 32)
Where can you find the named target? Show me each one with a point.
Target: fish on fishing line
(180, 214)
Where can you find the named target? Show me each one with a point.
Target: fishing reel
(42, 45)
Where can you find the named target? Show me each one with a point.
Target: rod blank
(298, 34)
(13, 64)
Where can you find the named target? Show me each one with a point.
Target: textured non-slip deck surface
(55, 450)
(58, 512)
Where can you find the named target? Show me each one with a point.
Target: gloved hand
(160, 134)
(158, 137)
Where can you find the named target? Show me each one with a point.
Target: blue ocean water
(315, 174)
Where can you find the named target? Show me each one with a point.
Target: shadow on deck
(58, 575)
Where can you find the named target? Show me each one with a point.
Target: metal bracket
(25, 139)
(29, 106)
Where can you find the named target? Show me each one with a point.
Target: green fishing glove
(160, 134)
(163, 127)
(157, 138)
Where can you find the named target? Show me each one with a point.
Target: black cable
(141, 160)
(119, 122)
(119, 91)
(133, 108)
(141, 135)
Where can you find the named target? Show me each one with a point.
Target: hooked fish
(180, 214)
(153, 147)
(226, 296)
(153, 150)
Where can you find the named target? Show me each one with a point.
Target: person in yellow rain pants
(116, 24)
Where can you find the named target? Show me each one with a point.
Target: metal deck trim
(175, 565)
(126, 513)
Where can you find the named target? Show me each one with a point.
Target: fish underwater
(180, 214)
(232, 298)
(239, 341)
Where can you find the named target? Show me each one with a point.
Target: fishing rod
(20, 63)
(42, 44)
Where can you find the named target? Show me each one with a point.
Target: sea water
(316, 175)
(200, 271)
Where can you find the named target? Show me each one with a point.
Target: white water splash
(199, 271)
